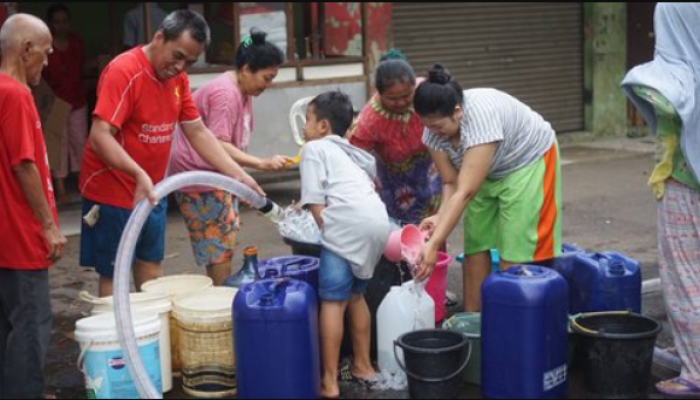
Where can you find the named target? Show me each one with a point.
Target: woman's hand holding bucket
(425, 265)
(408, 244)
(428, 226)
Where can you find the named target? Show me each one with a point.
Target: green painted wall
(606, 67)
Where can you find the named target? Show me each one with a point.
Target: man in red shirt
(142, 95)
(29, 233)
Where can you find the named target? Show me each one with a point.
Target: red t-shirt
(145, 111)
(3, 13)
(65, 73)
(22, 243)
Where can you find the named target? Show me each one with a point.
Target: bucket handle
(432, 380)
(578, 326)
(81, 357)
(90, 299)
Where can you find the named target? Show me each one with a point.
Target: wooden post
(147, 22)
(315, 32)
(236, 24)
(366, 48)
(291, 38)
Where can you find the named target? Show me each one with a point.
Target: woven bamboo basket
(206, 345)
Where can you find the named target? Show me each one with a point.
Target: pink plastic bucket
(437, 286)
(405, 244)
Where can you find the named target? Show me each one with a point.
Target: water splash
(418, 291)
(299, 225)
(388, 381)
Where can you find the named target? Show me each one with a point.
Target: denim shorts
(337, 282)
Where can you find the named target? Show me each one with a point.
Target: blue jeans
(336, 280)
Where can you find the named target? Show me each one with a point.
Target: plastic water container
(157, 303)
(525, 340)
(102, 360)
(303, 269)
(469, 324)
(602, 282)
(175, 286)
(205, 329)
(277, 340)
(437, 286)
(405, 309)
(564, 263)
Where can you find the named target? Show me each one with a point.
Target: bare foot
(330, 390)
(365, 372)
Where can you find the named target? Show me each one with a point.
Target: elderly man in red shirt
(30, 235)
(142, 95)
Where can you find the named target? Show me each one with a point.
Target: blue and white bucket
(102, 359)
(158, 303)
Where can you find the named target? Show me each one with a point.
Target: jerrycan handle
(600, 257)
(293, 265)
(610, 264)
(267, 299)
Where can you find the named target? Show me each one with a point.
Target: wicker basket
(174, 286)
(206, 345)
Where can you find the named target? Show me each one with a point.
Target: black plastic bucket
(619, 353)
(434, 362)
(304, 249)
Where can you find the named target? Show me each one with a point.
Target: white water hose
(125, 257)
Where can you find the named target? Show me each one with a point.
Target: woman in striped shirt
(499, 163)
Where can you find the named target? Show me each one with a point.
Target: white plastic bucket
(102, 359)
(157, 303)
(205, 329)
(174, 286)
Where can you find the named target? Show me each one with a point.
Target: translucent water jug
(405, 309)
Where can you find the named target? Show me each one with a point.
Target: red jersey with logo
(145, 111)
(22, 243)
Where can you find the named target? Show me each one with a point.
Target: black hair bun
(439, 74)
(259, 37)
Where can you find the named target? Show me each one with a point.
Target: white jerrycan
(405, 309)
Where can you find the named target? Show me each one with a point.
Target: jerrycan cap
(617, 268)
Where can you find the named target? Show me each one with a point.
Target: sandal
(345, 375)
(688, 390)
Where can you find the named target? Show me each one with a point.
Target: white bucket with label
(102, 359)
(174, 286)
(157, 303)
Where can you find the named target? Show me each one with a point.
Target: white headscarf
(675, 73)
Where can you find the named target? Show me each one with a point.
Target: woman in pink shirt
(226, 106)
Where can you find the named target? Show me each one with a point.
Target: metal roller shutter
(533, 51)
